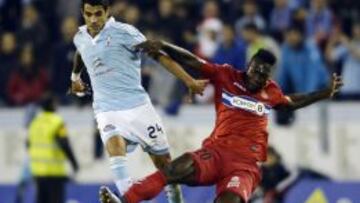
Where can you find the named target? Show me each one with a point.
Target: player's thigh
(160, 161)
(181, 170)
(240, 183)
(207, 166)
(150, 131)
(113, 132)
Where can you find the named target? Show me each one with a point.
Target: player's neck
(247, 86)
(94, 33)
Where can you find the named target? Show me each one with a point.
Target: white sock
(118, 167)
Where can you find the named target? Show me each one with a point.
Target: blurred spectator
(231, 51)
(7, 61)
(10, 12)
(28, 82)
(319, 20)
(294, 4)
(301, 68)
(277, 180)
(63, 60)
(274, 172)
(68, 8)
(250, 15)
(341, 48)
(209, 38)
(347, 12)
(118, 9)
(256, 40)
(33, 31)
(299, 17)
(132, 16)
(280, 18)
(209, 31)
(167, 24)
(49, 150)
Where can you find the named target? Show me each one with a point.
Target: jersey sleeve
(133, 36)
(279, 97)
(213, 71)
(76, 40)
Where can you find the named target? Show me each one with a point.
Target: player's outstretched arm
(195, 86)
(297, 101)
(78, 64)
(77, 86)
(179, 54)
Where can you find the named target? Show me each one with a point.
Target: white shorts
(140, 125)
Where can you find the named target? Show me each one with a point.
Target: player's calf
(116, 147)
(172, 191)
(181, 170)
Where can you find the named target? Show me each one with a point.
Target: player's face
(257, 75)
(95, 17)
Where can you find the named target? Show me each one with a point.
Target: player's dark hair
(265, 56)
(48, 102)
(296, 28)
(104, 3)
(251, 27)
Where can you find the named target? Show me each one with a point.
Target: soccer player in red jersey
(230, 156)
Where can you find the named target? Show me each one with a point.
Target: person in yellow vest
(49, 150)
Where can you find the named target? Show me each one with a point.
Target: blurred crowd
(311, 38)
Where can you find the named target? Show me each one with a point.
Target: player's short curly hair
(104, 3)
(265, 56)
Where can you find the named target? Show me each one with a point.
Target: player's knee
(179, 168)
(116, 146)
(162, 161)
(228, 197)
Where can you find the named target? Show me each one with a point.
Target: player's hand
(78, 88)
(197, 86)
(150, 46)
(336, 84)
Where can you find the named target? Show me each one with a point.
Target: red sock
(146, 189)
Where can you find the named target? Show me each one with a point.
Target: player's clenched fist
(78, 88)
(197, 86)
(336, 84)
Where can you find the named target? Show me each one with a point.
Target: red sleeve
(278, 96)
(208, 70)
(212, 71)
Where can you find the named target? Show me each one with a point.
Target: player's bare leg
(116, 148)
(228, 197)
(179, 171)
(173, 191)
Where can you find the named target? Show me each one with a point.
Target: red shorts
(230, 172)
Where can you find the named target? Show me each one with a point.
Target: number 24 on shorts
(153, 130)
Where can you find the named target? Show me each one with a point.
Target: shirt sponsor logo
(109, 127)
(108, 40)
(245, 103)
(234, 182)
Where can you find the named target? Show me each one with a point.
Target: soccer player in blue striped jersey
(123, 111)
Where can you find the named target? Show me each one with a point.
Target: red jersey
(241, 116)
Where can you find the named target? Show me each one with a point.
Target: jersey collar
(108, 23)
